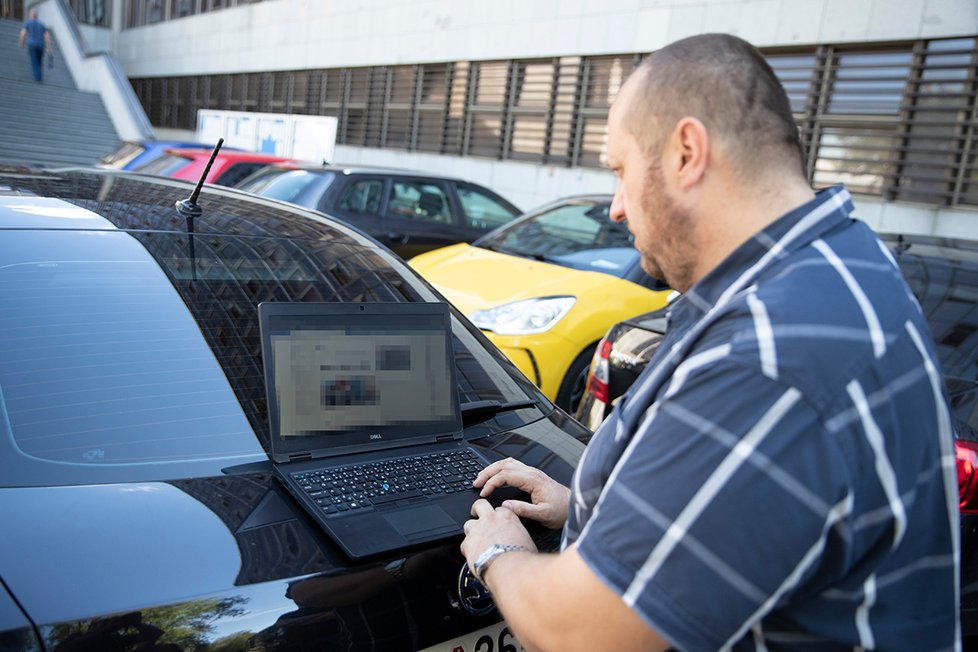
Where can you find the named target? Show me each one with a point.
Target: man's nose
(617, 211)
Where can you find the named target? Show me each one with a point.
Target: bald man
(782, 474)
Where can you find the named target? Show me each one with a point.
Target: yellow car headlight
(523, 317)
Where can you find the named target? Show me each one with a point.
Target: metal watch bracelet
(489, 554)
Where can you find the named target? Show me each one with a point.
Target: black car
(411, 212)
(943, 275)
(138, 507)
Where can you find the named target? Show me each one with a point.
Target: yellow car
(546, 287)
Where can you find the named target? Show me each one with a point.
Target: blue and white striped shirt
(782, 476)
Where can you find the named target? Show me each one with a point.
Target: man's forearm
(520, 582)
(555, 602)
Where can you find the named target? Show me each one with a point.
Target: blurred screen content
(345, 379)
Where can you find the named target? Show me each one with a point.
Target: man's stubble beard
(668, 255)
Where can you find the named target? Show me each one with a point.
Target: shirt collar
(830, 208)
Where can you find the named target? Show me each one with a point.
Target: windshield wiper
(522, 254)
(475, 411)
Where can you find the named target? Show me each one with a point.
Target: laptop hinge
(301, 457)
(440, 438)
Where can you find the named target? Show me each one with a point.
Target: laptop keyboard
(358, 486)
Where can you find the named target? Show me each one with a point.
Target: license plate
(495, 638)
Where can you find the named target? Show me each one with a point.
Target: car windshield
(122, 156)
(131, 355)
(577, 234)
(286, 185)
(163, 166)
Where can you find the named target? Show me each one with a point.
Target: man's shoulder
(822, 314)
(844, 279)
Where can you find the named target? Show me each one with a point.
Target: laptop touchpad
(421, 520)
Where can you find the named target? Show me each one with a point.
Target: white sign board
(303, 137)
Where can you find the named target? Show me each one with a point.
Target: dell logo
(378, 436)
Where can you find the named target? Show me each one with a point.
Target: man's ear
(692, 152)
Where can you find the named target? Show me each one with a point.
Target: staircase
(51, 123)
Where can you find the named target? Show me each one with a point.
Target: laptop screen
(345, 377)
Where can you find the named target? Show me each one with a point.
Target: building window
(92, 12)
(898, 120)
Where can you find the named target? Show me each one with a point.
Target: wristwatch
(489, 554)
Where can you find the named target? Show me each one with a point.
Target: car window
(163, 166)
(577, 234)
(238, 172)
(483, 211)
(287, 185)
(419, 200)
(104, 364)
(363, 196)
(122, 156)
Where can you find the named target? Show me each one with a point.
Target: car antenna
(190, 209)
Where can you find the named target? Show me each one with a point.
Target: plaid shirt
(782, 475)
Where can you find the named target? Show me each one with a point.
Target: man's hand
(550, 499)
(492, 525)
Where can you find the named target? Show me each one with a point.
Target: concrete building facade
(514, 94)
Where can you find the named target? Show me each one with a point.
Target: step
(96, 121)
(51, 141)
(22, 158)
(83, 160)
(55, 144)
(12, 90)
(86, 156)
(15, 126)
(48, 147)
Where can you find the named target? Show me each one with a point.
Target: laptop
(356, 393)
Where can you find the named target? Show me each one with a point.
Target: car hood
(77, 552)
(473, 278)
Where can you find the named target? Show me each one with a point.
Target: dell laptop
(365, 421)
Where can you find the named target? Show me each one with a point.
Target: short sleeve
(718, 507)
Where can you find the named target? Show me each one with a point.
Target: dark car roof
(101, 199)
(339, 168)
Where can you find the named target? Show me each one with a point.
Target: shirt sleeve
(720, 507)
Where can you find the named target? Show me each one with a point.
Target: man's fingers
(481, 508)
(495, 468)
(522, 479)
(526, 510)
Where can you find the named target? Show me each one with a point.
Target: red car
(229, 167)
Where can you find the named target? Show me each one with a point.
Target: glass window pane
(870, 83)
(529, 137)
(535, 85)
(491, 88)
(363, 197)
(104, 363)
(419, 200)
(482, 211)
(859, 157)
(575, 234)
(796, 73)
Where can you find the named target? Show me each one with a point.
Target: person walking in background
(37, 37)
